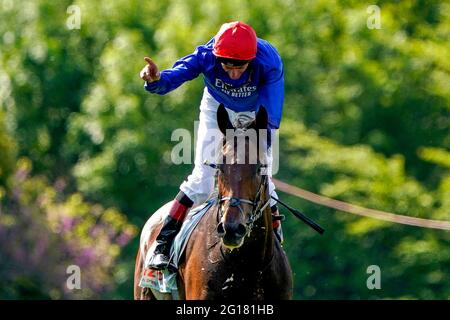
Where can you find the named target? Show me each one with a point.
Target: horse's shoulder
(205, 231)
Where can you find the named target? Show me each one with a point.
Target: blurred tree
(366, 120)
(8, 153)
(413, 260)
(43, 233)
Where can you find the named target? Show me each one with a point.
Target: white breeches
(200, 183)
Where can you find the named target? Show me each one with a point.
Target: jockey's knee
(198, 190)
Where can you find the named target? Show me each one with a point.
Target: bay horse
(232, 253)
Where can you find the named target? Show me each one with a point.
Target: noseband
(258, 205)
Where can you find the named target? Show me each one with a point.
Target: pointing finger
(149, 61)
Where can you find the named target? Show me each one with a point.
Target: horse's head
(242, 178)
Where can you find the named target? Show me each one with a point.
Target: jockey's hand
(150, 72)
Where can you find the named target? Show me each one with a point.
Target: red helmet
(235, 40)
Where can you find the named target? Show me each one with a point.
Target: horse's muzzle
(232, 234)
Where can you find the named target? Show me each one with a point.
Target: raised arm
(185, 69)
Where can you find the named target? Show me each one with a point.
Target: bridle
(258, 204)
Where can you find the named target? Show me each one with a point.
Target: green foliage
(366, 120)
(413, 261)
(8, 152)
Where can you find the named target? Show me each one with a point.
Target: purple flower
(94, 232)
(67, 224)
(86, 256)
(124, 238)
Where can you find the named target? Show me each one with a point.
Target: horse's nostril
(241, 230)
(220, 229)
(235, 230)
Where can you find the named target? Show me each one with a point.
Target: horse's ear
(262, 118)
(223, 120)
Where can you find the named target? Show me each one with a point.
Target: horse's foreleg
(193, 280)
(277, 281)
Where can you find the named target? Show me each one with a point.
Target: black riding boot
(161, 256)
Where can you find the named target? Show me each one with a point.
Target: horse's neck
(264, 238)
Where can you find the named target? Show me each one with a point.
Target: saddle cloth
(165, 281)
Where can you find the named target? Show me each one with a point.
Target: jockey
(240, 71)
